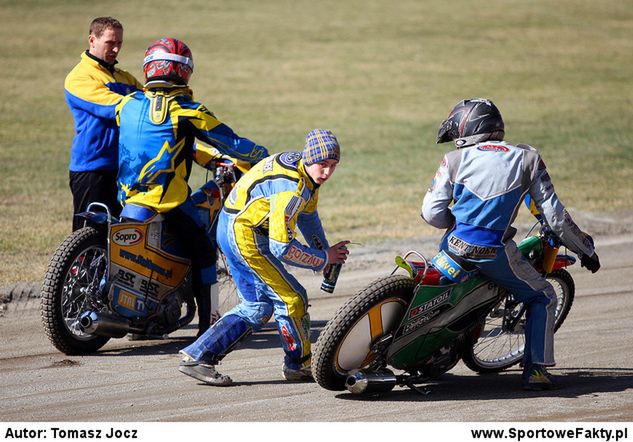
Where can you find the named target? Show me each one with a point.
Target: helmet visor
(447, 132)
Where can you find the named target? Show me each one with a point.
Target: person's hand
(337, 253)
(591, 263)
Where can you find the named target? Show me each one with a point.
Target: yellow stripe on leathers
(269, 273)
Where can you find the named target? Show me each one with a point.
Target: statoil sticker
(127, 237)
(429, 304)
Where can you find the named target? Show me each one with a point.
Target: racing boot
(537, 378)
(203, 372)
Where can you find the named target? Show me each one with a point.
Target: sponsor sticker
(297, 255)
(419, 322)
(429, 305)
(268, 164)
(467, 250)
(127, 237)
(493, 148)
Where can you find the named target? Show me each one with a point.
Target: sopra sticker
(127, 237)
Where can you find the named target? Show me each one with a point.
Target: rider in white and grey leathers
(487, 179)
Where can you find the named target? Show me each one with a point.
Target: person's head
(105, 38)
(321, 154)
(471, 122)
(167, 61)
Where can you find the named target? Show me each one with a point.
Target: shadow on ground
(575, 382)
(267, 337)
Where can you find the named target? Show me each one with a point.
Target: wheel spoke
(81, 282)
(501, 344)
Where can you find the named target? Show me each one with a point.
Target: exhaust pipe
(103, 324)
(361, 382)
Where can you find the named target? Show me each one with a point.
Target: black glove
(591, 263)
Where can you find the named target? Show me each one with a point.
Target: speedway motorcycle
(420, 326)
(113, 277)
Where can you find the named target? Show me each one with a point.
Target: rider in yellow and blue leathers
(158, 128)
(257, 234)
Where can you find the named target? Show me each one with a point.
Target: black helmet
(471, 122)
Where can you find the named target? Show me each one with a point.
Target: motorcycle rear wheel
(228, 297)
(73, 276)
(497, 348)
(346, 340)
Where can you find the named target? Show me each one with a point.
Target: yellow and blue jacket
(268, 204)
(157, 146)
(92, 89)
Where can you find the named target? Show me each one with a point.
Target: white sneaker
(205, 373)
(301, 375)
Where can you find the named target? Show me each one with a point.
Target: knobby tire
(332, 338)
(52, 292)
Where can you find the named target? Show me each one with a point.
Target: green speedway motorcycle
(420, 326)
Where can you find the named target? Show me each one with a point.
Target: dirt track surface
(139, 381)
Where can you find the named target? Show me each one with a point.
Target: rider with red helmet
(158, 128)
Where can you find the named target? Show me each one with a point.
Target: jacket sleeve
(309, 224)
(435, 207)
(211, 131)
(312, 230)
(90, 95)
(285, 208)
(553, 211)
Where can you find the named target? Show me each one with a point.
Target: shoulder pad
(202, 108)
(289, 160)
(527, 147)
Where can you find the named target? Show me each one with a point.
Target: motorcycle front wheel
(346, 341)
(501, 341)
(73, 277)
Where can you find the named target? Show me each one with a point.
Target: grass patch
(381, 75)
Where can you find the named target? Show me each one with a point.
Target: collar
(169, 92)
(109, 67)
(301, 167)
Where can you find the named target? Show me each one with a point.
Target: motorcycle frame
(437, 315)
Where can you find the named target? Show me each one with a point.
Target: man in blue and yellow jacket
(158, 129)
(93, 88)
(257, 234)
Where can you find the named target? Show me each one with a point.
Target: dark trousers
(89, 187)
(185, 223)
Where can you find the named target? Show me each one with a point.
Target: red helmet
(168, 60)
